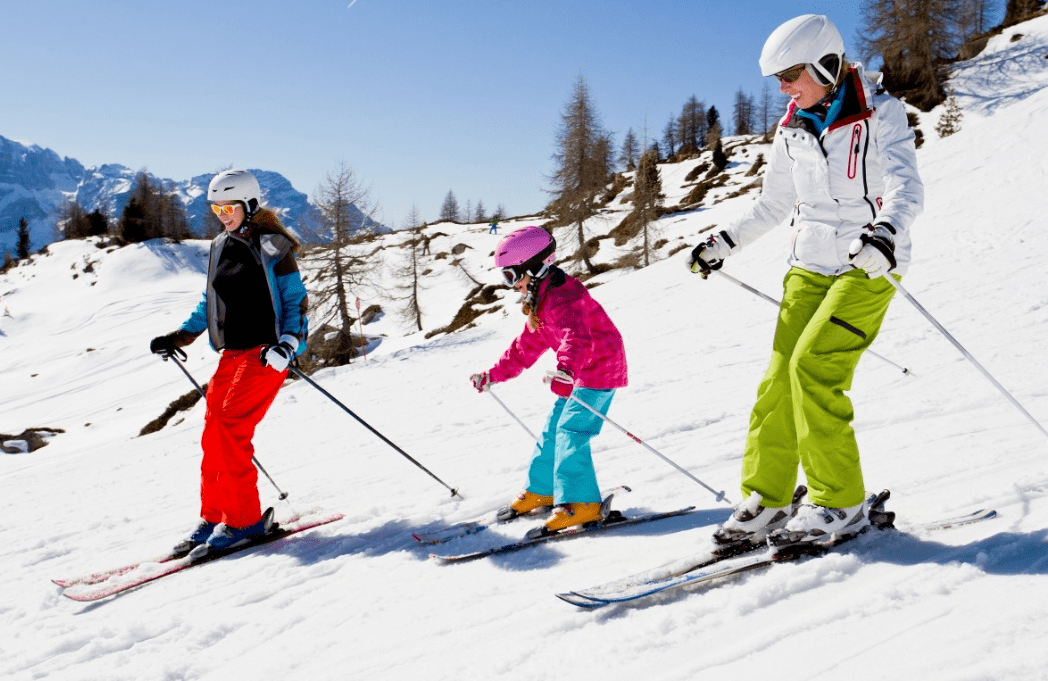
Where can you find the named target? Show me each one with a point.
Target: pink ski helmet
(530, 250)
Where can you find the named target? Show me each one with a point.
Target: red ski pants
(238, 396)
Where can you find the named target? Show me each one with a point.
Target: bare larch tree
(583, 164)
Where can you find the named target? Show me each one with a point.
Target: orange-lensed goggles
(791, 74)
(228, 209)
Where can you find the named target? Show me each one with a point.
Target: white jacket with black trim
(861, 170)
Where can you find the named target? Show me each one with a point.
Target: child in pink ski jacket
(591, 365)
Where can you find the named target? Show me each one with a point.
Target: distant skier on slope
(591, 365)
(843, 163)
(254, 310)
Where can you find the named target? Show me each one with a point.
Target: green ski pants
(802, 414)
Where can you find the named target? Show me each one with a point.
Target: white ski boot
(815, 525)
(751, 522)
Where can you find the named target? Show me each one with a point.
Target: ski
(101, 576)
(706, 567)
(97, 577)
(613, 520)
(483, 522)
(98, 585)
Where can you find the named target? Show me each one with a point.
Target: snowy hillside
(359, 599)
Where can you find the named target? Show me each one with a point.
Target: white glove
(710, 254)
(278, 356)
(481, 381)
(560, 382)
(874, 251)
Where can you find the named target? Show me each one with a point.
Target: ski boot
(526, 502)
(227, 537)
(814, 525)
(566, 516)
(751, 523)
(199, 536)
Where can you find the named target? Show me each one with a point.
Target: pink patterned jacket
(576, 327)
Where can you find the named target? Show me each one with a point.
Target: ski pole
(513, 416)
(720, 495)
(258, 464)
(967, 354)
(307, 379)
(771, 300)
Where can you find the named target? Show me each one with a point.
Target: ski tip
(580, 601)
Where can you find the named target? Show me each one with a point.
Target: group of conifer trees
(149, 213)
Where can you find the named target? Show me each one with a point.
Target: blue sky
(419, 97)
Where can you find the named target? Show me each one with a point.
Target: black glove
(710, 254)
(165, 347)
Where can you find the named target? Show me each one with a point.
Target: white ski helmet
(809, 39)
(236, 185)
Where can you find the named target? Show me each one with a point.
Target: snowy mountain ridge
(36, 183)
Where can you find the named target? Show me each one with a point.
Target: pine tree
(72, 220)
(24, 239)
(449, 210)
(669, 137)
(583, 164)
(409, 277)
(98, 223)
(911, 38)
(765, 115)
(743, 113)
(950, 119)
(132, 226)
(152, 213)
(342, 265)
(691, 126)
(647, 199)
(630, 151)
(713, 127)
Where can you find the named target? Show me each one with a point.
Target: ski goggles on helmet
(228, 209)
(791, 74)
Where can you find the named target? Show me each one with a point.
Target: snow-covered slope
(358, 599)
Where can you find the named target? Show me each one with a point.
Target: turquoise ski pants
(802, 414)
(562, 465)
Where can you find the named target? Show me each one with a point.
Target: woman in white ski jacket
(843, 172)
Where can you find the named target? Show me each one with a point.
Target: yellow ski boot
(571, 515)
(526, 502)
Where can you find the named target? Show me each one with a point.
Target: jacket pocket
(816, 244)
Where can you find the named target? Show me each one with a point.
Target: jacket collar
(846, 105)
